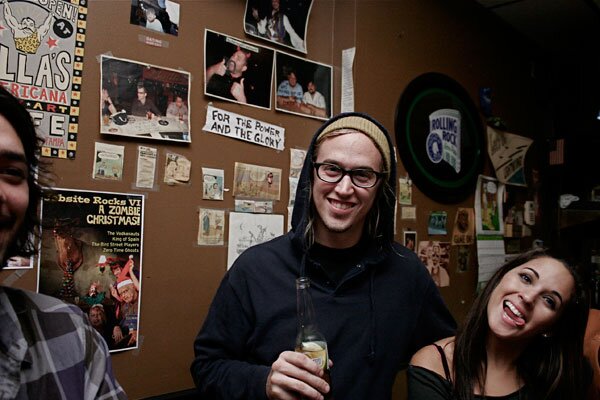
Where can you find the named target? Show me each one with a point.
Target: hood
(384, 235)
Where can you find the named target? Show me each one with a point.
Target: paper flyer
(41, 62)
(91, 256)
(507, 152)
(108, 161)
(246, 230)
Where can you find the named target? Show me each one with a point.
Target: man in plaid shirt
(48, 349)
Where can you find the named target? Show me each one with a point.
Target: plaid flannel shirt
(49, 350)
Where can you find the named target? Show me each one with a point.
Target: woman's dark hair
(551, 368)
(19, 118)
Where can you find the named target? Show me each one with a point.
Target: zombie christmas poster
(91, 256)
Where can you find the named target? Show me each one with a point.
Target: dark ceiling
(557, 26)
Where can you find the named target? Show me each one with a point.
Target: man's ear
(244, 68)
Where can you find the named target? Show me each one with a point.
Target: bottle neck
(307, 324)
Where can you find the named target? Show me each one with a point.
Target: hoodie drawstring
(303, 265)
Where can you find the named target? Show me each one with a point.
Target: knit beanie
(362, 124)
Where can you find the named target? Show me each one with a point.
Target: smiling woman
(523, 338)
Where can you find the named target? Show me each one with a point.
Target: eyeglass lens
(360, 177)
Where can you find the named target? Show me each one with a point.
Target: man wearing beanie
(375, 302)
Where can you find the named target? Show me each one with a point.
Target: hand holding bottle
(294, 374)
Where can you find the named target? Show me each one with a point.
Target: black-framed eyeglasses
(360, 177)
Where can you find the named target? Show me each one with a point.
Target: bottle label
(316, 352)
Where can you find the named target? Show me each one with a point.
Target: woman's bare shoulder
(429, 357)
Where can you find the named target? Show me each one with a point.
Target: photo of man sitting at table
(153, 102)
(303, 86)
(142, 106)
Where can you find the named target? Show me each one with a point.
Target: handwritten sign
(243, 128)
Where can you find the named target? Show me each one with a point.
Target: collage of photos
(237, 71)
(144, 101)
(279, 21)
(303, 87)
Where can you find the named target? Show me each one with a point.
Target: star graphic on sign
(52, 42)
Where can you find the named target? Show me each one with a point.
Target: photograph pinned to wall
(410, 240)
(246, 206)
(408, 213)
(405, 191)
(464, 227)
(47, 37)
(297, 157)
(18, 263)
(156, 15)
(212, 182)
(293, 187)
(437, 223)
(211, 227)
(108, 161)
(303, 87)
(514, 222)
(246, 230)
(489, 195)
(436, 257)
(463, 258)
(278, 21)
(144, 101)
(146, 167)
(256, 182)
(263, 207)
(177, 169)
(237, 71)
(507, 152)
(254, 206)
(91, 256)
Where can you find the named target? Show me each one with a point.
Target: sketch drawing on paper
(246, 230)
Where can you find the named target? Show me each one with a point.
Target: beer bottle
(309, 340)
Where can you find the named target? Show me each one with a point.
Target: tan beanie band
(368, 128)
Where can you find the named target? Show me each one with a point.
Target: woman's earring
(547, 335)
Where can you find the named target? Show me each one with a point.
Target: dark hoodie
(380, 313)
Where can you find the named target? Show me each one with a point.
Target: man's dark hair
(20, 120)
